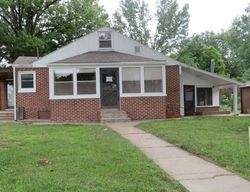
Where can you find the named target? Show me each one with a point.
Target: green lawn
(220, 139)
(82, 158)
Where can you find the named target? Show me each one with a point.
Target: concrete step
(113, 115)
(114, 120)
(110, 115)
(6, 115)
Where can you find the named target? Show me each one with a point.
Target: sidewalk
(194, 173)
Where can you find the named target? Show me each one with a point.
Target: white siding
(90, 42)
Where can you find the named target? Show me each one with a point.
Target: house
(107, 70)
(245, 98)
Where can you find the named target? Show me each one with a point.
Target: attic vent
(137, 49)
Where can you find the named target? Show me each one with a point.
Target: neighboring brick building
(106, 70)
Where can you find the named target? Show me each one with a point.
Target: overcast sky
(205, 15)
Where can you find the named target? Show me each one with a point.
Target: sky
(205, 15)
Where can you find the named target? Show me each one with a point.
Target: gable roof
(105, 57)
(23, 60)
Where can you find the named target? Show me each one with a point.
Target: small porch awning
(6, 73)
(217, 80)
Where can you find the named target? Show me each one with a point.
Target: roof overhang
(216, 80)
(22, 65)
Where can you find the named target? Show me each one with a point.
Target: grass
(82, 158)
(221, 139)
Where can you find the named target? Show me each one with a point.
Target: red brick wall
(156, 107)
(144, 107)
(245, 100)
(3, 96)
(205, 109)
(75, 110)
(173, 89)
(37, 102)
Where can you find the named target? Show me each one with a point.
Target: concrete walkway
(194, 173)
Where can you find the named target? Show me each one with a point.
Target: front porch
(6, 94)
(200, 92)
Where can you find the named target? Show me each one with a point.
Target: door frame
(117, 69)
(194, 92)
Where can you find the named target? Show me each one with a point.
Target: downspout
(14, 81)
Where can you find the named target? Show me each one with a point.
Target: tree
(172, 26)
(132, 19)
(238, 40)
(198, 54)
(26, 25)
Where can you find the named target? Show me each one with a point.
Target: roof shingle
(25, 60)
(104, 57)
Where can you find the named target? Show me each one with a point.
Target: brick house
(106, 70)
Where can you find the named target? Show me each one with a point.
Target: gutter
(14, 81)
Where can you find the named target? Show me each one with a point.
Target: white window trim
(105, 48)
(143, 93)
(75, 95)
(26, 90)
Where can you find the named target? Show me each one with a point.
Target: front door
(10, 94)
(189, 100)
(109, 78)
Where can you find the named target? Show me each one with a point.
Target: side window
(27, 81)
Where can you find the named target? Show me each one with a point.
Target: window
(86, 81)
(105, 39)
(73, 82)
(153, 79)
(131, 80)
(63, 82)
(27, 81)
(204, 96)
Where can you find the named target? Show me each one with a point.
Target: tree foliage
(199, 54)
(172, 26)
(28, 25)
(132, 19)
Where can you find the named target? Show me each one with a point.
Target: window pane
(63, 84)
(27, 77)
(204, 96)
(27, 81)
(131, 80)
(86, 75)
(105, 35)
(27, 84)
(86, 88)
(105, 44)
(86, 81)
(153, 79)
(65, 88)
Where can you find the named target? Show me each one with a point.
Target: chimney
(212, 65)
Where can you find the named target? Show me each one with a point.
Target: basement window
(26, 81)
(105, 39)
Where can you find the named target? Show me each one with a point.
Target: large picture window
(73, 83)
(153, 79)
(86, 81)
(204, 96)
(63, 82)
(27, 81)
(131, 80)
